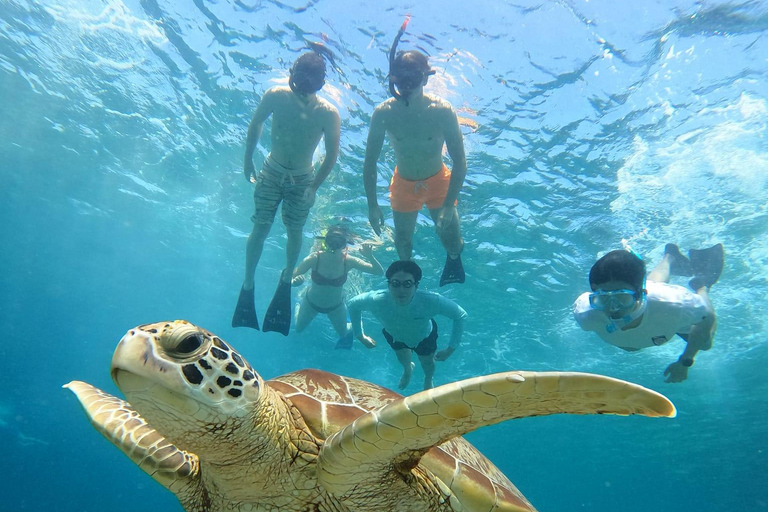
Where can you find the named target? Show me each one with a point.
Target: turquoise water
(123, 202)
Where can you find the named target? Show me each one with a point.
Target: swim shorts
(410, 196)
(274, 186)
(426, 347)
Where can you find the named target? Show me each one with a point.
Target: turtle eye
(190, 343)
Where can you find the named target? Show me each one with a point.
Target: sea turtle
(205, 425)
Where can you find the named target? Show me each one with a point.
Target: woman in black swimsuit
(329, 267)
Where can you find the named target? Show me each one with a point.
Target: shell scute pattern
(204, 424)
(455, 462)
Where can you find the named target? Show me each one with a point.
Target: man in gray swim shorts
(300, 119)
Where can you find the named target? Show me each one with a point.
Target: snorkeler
(299, 120)
(631, 314)
(325, 294)
(407, 315)
(417, 125)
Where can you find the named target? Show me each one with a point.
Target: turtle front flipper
(171, 467)
(386, 444)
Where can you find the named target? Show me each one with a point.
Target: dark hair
(407, 266)
(619, 265)
(408, 63)
(307, 73)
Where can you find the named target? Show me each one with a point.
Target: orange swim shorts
(410, 196)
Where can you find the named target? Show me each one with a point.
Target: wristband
(688, 362)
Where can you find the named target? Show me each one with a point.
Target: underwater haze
(588, 124)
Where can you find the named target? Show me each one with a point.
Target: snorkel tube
(392, 53)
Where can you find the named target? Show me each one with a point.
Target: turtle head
(185, 381)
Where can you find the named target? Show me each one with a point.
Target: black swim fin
(245, 311)
(679, 265)
(453, 272)
(278, 316)
(345, 342)
(707, 265)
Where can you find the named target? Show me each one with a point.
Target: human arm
(454, 143)
(263, 111)
(355, 307)
(373, 147)
(372, 266)
(447, 307)
(699, 338)
(301, 269)
(331, 132)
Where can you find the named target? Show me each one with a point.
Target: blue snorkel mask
(612, 301)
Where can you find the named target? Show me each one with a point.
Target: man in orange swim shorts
(418, 125)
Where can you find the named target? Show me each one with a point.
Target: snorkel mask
(637, 312)
(617, 300)
(623, 266)
(405, 78)
(335, 239)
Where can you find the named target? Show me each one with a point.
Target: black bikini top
(321, 280)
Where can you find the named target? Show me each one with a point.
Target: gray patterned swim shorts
(272, 187)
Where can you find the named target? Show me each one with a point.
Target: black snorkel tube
(392, 53)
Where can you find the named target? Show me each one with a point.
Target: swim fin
(707, 265)
(453, 272)
(245, 311)
(679, 265)
(345, 342)
(278, 316)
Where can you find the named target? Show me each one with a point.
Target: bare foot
(428, 384)
(406, 378)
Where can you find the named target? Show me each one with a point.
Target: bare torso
(298, 124)
(330, 265)
(417, 134)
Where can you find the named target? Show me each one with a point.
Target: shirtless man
(299, 120)
(418, 125)
(406, 314)
(631, 313)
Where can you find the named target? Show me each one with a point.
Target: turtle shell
(328, 402)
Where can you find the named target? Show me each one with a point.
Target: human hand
(444, 354)
(445, 218)
(376, 218)
(309, 196)
(298, 280)
(367, 341)
(366, 249)
(249, 171)
(676, 372)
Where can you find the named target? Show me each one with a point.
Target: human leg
(253, 250)
(661, 273)
(404, 357)
(405, 225)
(306, 314)
(450, 235)
(267, 195)
(702, 333)
(245, 310)
(672, 264)
(428, 365)
(292, 250)
(338, 318)
(294, 211)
